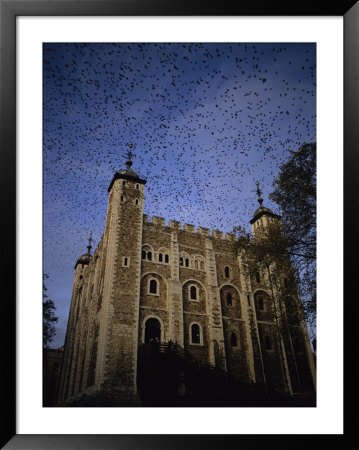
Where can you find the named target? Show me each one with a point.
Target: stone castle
(148, 281)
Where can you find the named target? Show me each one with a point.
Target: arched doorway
(152, 330)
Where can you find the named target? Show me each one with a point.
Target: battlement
(175, 224)
(158, 221)
(217, 234)
(190, 228)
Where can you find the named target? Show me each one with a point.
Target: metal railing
(172, 348)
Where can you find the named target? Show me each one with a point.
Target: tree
(295, 194)
(266, 253)
(48, 316)
(287, 252)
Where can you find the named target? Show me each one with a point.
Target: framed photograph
(180, 119)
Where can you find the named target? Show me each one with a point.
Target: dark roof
(126, 174)
(263, 211)
(84, 259)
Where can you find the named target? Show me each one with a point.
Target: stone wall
(198, 282)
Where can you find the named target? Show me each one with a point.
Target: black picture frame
(9, 10)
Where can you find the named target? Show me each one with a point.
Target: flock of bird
(206, 121)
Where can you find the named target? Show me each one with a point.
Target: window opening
(260, 303)
(268, 343)
(193, 293)
(153, 287)
(233, 340)
(195, 334)
(229, 299)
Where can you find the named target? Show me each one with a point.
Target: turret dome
(128, 173)
(85, 258)
(262, 210)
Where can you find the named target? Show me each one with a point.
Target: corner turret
(262, 215)
(128, 173)
(85, 259)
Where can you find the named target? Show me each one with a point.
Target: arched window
(187, 262)
(166, 259)
(196, 264)
(226, 272)
(149, 256)
(201, 265)
(233, 340)
(229, 299)
(258, 277)
(143, 254)
(195, 334)
(260, 303)
(153, 287)
(137, 186)
(193, 292)
(160, 257)
(249, 300)
(181, 261)
(136, 201)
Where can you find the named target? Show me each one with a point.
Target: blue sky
(206, 121)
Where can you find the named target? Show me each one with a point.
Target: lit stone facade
(147, 278)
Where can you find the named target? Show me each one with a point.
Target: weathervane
(89, 247)
(259, 193)
(129, 155)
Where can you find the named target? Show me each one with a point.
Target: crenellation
(203, 231)
(190, 228)
(174, 224)
(158, 221)
(217, 234)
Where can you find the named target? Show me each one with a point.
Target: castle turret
(262, 216)
(85, 259)
(116, 366)
(70, 355)
(277, 310)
